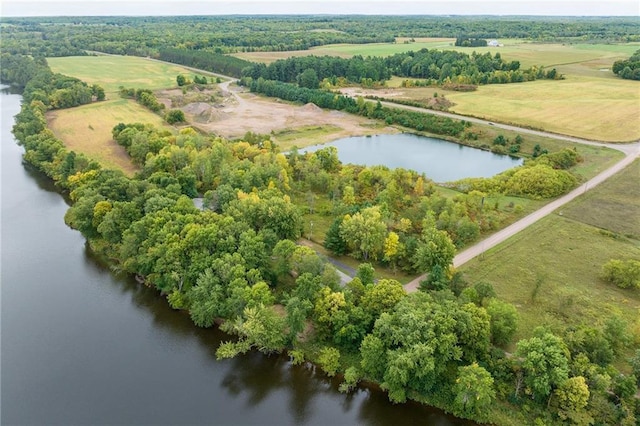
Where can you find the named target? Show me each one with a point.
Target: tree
(333, 241)
(474, 392)
(181, 80)
(309, 79)
(366, 273)
(504, 321)
(571, 398)
(434, 248)
(544, 361)
(329, 360)
(364, 233)
(259, 327)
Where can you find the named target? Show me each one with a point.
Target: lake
(82, 345)
(439, 160)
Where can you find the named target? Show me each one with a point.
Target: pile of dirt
(311, 107)
(197, 108)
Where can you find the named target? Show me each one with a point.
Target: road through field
(632, 152)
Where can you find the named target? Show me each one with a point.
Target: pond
(439, 160)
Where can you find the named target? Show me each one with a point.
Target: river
(83, 345)
(439, 160)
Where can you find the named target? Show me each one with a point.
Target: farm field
(111, 72)
(590, 103)
(87, 129)
(550, 270)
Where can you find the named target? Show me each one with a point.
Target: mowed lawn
(111, 72)
(87, 129)
(562, 256)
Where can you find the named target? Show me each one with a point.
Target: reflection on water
(439, 160)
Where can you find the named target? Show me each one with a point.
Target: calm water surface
(439, 160)
(81, 345)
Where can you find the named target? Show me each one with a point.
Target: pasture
(87, 129)
(111, 72)
(550, 271)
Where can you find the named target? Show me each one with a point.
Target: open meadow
(550, 271)
(111, 72)
(87, 129)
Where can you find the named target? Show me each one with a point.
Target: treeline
(208, 61)
(629, 68)
(459, 67)
(325, 67)
(144, 36)
(144, 97)
(438, 67)
(323, 99)
(42, 85)
(470, 42)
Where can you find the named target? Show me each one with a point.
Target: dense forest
(227, 34)
(435, 65)
(237, 262)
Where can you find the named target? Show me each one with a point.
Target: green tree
(329, 360)
(474, 392)
(571, 399)
(364, 233)
(259, 327)
(544, 361)
(504, 321)
(434, 248)
(333, 241)
(174, 116)
(181, 80)
(309, 79)
(623, 273)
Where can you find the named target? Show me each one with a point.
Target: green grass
(87, 129)
(303, 136)
(111, 72)
(613, 206)
(564, 253)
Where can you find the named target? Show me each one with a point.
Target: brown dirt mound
(311, 107)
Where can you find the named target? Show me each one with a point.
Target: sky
(335, 7)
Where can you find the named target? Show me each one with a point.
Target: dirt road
(632, 152)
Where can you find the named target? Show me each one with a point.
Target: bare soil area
(235, 112)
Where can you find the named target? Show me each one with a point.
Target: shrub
(175, 116)
(623, 273)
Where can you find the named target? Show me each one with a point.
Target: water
(81, 345)
(439, 160)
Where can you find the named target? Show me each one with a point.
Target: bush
(175, 116)
(623, 273)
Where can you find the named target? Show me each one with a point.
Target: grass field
(111, 72)
(87, 129)
(588, 107)
(562, 255)
(591, 102)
